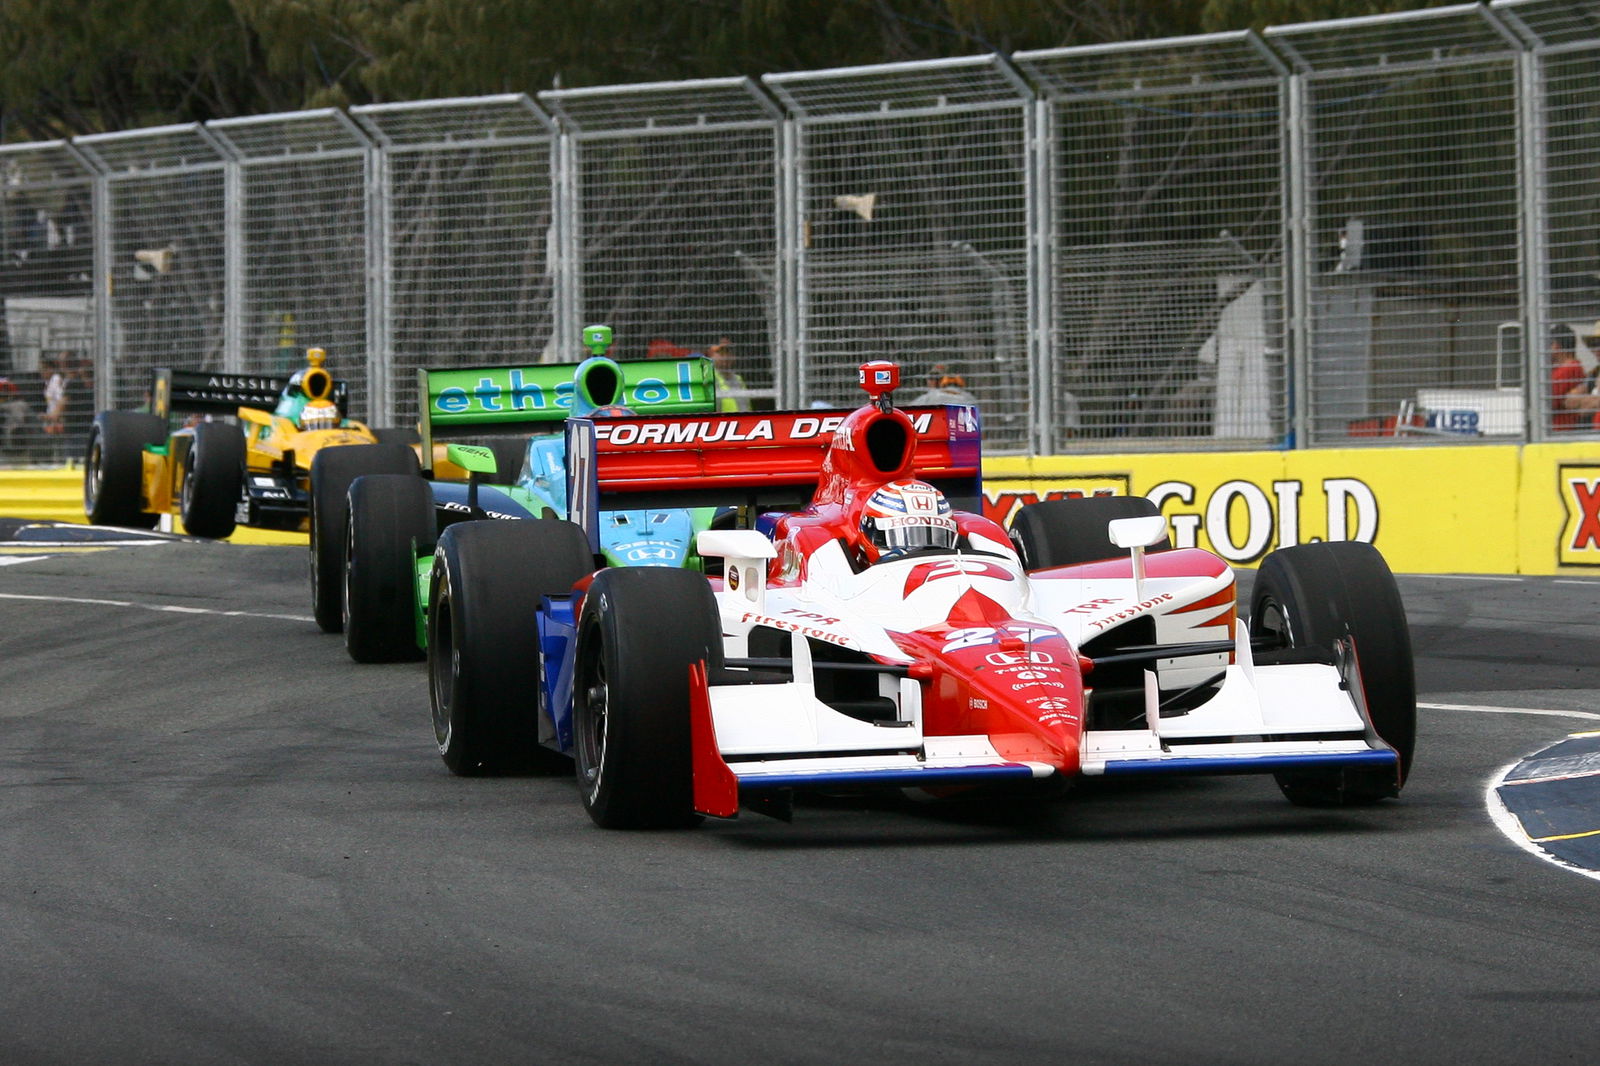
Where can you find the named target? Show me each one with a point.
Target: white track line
(1506, 710)
(1466, 577)
(1503, 819)
(164, 608)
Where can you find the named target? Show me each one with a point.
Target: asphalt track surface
(223, 842)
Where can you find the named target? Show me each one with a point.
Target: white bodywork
(783, 731)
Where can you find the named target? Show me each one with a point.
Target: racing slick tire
(640, 630)
(213, 479)
(484, 595)
(332, 472)
(390, 516)
(1069, 532)
(113, 468)
(1311, 595)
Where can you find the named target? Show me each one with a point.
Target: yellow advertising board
(1559, 504)
(1485, 509)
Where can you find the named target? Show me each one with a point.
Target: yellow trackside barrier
(56, 495)
(46, 495)
(1468, 509)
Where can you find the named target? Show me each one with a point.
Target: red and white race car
(878, 637)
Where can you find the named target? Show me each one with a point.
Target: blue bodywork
(558, 645)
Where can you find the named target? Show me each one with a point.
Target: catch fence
(1361, 232)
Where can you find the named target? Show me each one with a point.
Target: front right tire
(113, 468)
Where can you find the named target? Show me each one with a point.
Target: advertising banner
(1490, 509)
(1559, 506)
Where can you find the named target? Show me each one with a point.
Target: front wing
(750, 739)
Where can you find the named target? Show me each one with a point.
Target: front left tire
(1311, 595)
(113, 468)
(640, 630)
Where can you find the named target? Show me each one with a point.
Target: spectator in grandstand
(1567, 384)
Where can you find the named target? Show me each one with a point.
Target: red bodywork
(986, 672)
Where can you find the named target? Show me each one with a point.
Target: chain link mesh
(1353, 232)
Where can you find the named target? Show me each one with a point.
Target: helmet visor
(905, 533)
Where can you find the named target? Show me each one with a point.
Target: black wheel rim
(592, 722)
(349, 565)
(186, 492)
(316, 571)
(1274, 624)
(444, 666)
(94, 484)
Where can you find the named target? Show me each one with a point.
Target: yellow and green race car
(220, 450)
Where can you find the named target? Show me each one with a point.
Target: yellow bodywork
(268, 438)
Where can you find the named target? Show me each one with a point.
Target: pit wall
(1488, 509)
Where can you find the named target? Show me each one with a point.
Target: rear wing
(760, 461)
(174, 393)
(490, 401)
(187, 392)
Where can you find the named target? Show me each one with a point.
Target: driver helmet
(905, 516)
(612, 410)
(319, 415)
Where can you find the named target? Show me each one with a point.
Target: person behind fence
(16, 417)
(54, 369)
(944, 387)
(1581, 403)
(78, 415)
(728, 378)
(1566, 380)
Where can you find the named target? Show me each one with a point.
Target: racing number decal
(980, 636)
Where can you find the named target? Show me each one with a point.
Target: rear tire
(213, 479)
(113, 468)
(640, 630)
(389, 516)
(483, 639)
(332, 472)
(1311, 595)
(1069, 532)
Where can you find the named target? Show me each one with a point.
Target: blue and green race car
(377, 514)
